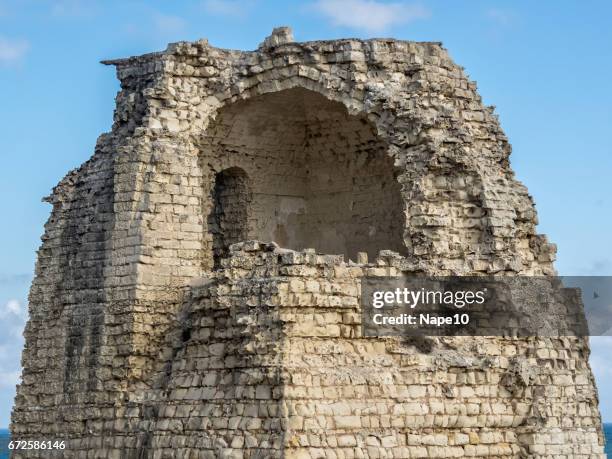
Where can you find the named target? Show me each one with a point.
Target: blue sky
(545, 65)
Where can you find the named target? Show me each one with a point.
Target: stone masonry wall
(138, 345)
(269, 361)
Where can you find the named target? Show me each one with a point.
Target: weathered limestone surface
(160, 327)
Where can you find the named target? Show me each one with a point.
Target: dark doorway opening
(228, 221)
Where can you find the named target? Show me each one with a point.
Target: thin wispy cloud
(369, 15)
(230, 8)
(9, 378)
(601, 267)
(597, 267)
(14, 279)
(74, 8)
(12, 50)
(601, 349)
(505, 18)
(169, 24)
(13, 316)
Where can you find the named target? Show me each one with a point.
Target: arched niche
(318, 176)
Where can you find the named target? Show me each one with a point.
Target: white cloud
(12, 50)
(13, 307)
(231, 8)
(601, 359)
(168, 23)
(369, 15)
(601, 364)
(13, 316)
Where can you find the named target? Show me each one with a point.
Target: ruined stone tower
(160, 327)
